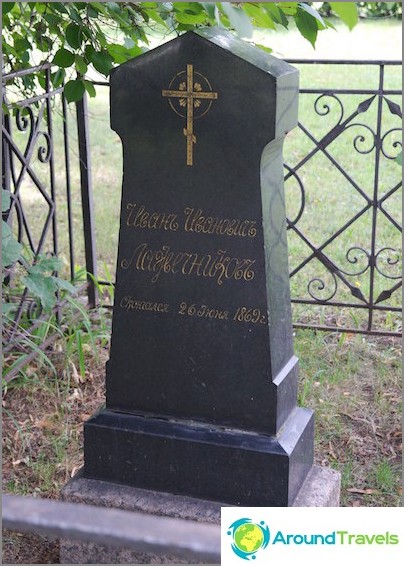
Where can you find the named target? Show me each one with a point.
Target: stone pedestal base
(321, 489)
(199, 460)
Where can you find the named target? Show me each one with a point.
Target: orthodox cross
(190, 95)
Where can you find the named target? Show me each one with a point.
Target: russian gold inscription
(195, 220)
(202, 311)
(139, 217)
(244, 314)
(219, 266)
(185, 95)
(241, 315)
(129, 303)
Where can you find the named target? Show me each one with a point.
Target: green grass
(353, 385)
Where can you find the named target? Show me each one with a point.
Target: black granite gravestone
(202, 379)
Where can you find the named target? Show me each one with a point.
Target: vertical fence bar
(87, 198)
(51, 164)
(375, 195)
(68, 186)
(5, 174)
(52, 176)
(5, 155)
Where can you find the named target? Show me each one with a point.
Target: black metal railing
(116, 528)
(37, 171)
(352, 275)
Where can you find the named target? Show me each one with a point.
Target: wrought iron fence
(335, 271)
(348, 261)
(36, 171)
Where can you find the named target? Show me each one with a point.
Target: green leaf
(135, 52)
(74, 90)
(102, 62)
(209, 8)
(74, 14)
(52, 19)
(288, 8)
(330, 25)
(264, 47)
(5, 200)
(121, 54)
(276, 14)
(259, 16)
(101, 39)
(89, 52)
(307, 25)
(347, 11)
(24, 57)
(43, 42)
(81, 65)
(307, 8)
(80, 352)
(88, 85)
(45, 264)
(98, 6)
(10, 249)
(92, 12)
(8, 308)
(5, 232)
(58, 77)
(63, 58)
(154, 15)
(114, 7)
(189, 18)
(43, 288)
(59, 7)
(118, 53)
(7, 7)
(238, 19)
(22, 44)
(42, 80)
(74, 35)
(65, 285)
(399, 158)
(189, 7)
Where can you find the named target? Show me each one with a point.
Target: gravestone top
(196, 305)
(202, 372)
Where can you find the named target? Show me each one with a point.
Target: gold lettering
(128, 303)
(220, 267)
(142, 218)
(196, 221)
(130, 206)
(196, 263)
(153, 221)
(187, 226)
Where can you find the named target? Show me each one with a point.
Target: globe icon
(248, 537)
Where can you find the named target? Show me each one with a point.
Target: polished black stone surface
(202, 327)
(206, 462)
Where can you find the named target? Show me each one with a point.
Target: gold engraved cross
(190, 94)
